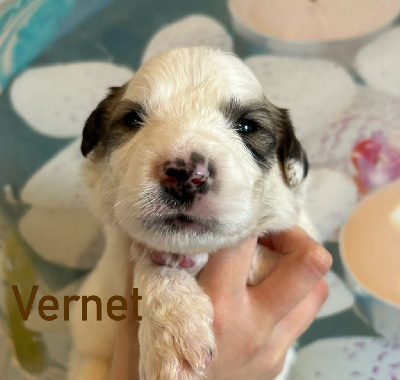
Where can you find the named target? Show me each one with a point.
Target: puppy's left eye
(246, 126)
(133, 120)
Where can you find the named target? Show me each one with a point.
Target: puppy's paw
(177, 339)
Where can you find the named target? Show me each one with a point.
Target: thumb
(227, 269)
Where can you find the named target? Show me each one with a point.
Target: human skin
(254, 325)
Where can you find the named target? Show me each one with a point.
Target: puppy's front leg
(175, 335)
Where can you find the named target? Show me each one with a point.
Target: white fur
(181, 91)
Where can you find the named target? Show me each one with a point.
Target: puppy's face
(189, 156)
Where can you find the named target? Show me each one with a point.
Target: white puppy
(186, 158)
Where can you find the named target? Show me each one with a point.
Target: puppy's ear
(96, 126)
(291, 154)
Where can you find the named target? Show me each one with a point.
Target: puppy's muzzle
(182, 179)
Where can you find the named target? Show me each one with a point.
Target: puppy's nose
(183, 179)
(194, 178)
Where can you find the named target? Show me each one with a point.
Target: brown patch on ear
(292, 157)
(97, 124)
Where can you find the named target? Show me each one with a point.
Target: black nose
(183, 179)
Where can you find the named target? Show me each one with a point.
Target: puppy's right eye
(133, 120)
(246, 126)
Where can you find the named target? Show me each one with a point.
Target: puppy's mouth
(181, 223)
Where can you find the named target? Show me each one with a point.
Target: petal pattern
(67, 237)
(364, 358)
(59, 183)
(338, 195)
(56, 100)
(378, 63)
(370, 112)
(195, 30)
(314, 91)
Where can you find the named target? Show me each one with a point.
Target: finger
(301, 267)
(298, 320)
(292, 326)
(125, 362)
(277, 370)
(287, 241)
(227, 270)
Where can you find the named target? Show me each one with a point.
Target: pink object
(157, 258)
(186, 262)
(171, 260)
(180, 171)
(377, 162)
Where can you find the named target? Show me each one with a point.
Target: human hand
(254, 326)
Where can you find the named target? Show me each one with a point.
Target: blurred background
(335, 68)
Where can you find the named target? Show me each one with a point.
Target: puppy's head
(189, 156)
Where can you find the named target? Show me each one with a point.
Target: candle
(318, 20)
(370, 242)
(395, 217)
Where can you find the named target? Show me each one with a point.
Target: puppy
(186, 158)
